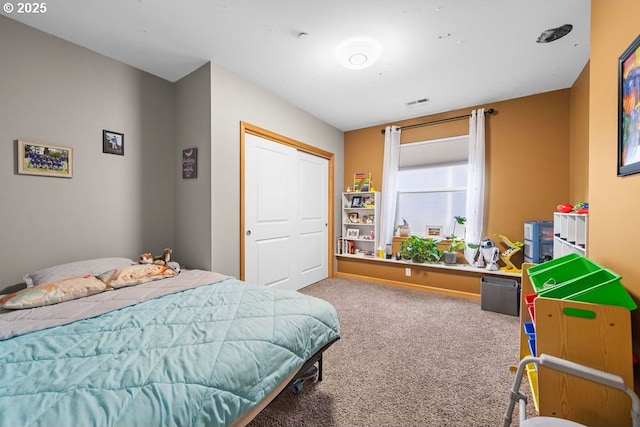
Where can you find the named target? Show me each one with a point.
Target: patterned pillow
(53, 293)
(135, 274)
(74, 269)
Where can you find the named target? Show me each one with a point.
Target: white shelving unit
(570, 234)
(360, 223)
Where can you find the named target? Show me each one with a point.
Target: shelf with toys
(360, 222)
(570, 225)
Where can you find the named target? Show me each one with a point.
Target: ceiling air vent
(554, 33)
(417, 103)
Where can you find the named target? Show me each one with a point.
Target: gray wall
(52, 91)
(56, 92)
(234, 100)
(193, 196)
(208, 208)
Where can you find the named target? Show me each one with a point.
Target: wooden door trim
(281, 139)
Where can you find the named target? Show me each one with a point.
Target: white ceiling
(455, 53)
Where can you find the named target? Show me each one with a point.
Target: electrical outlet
(407, 272)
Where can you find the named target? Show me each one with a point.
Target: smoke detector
(553, 34)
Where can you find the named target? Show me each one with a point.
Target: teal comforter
(200, 357)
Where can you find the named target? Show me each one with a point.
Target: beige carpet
(405, 358)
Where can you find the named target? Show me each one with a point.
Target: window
(432, 184)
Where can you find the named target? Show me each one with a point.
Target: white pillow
(74, 269)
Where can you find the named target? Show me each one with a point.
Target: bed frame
(246, 418)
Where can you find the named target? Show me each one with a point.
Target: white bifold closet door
(286, 196)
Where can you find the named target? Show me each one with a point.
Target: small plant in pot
(451, 254)
(420, 250)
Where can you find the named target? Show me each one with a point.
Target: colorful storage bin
(553, 263)
(532, 346)
(577, 278)
(554, 276)
(528, 299)
(529, 329)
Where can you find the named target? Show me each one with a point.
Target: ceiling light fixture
(553, 34)
(358, 53)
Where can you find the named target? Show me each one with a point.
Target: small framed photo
(112, 142)
(433, 231)
(356, 201)
(354, 217)
(45, 160)
(353, 233)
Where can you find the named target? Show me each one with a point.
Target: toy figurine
(489, 253)
(512, 248)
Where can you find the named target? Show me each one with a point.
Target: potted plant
(451, 254)
(420, 250)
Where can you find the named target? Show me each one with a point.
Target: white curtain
(389, 183)
(475, 183)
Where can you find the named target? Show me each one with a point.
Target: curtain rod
(433, 122)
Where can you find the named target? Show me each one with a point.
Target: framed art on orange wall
(629, 110)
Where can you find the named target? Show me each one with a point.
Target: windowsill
(439, 265)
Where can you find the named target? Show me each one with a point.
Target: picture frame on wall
(190, 163)
(629, 110)
(45, 159)
(112, 142)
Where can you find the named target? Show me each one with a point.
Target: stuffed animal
(146, 258)
(174, 266)
(164, 258)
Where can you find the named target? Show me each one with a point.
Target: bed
(196, 348)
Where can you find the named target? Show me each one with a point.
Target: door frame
(280, 139)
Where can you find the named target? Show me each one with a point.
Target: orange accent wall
(551, 148)
(613, 200)
(527, 152)
(423, 277)
(546, 149)
(579, 147)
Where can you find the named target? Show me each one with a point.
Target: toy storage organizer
(578, 310)
(538, 241)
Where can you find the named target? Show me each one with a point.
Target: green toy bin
(580, 283)
(601, 287)
(576, 278)
(564, 270)
(598, 287)
(552, 263)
